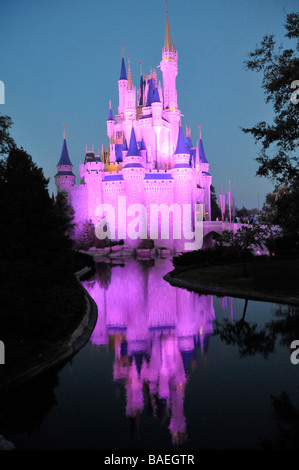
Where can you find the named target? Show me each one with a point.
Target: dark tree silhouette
(6, 141)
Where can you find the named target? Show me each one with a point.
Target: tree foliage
(33, 225)
(278, 159)
(6, 141)
(215, 209)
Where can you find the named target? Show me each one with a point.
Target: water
(165, 368)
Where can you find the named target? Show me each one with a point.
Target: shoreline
(61, 352)
(226, 291)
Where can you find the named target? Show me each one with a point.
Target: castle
(148, 162)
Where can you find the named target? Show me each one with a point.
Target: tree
(33, 227)
(215, 209)
(65, 212)
(278, 158)
(6, 141)
(280, 76)
(242, 212)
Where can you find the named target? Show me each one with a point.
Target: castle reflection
(156, 332)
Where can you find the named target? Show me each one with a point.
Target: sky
(60, 63)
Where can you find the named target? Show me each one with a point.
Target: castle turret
(183, 193)
(157, 122)
(64, 178)
(181, 154)
(133, 155)
(110, 122)
(133, 174)
(206, 179)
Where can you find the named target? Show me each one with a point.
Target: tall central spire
(130, 84)
(167, 45)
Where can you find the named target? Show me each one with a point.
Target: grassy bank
(39, 312)
(269, 276)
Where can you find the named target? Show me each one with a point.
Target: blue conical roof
(125, 145)
(110, 115)
(64, 157)
(156, 97)
(189, 143)
(142, 145)
(133, 147)
(150, 93)
(123, 73)
(202, 155)
(181, 146)
(118, 152)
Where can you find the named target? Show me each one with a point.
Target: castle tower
(206, 179)
(133, 174)
(157, 122)
(130, 98)
(110, 122)
(111, 135)
(169, 68)
(64, 178)
(183, 191)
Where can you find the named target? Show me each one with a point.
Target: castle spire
(110, 115)
(202, 155)
(64, 156)
(167, 45)
(181, 145)
(130, 84)
(123, 73)
(133, 147)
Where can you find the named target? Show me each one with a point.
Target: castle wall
(159, 192)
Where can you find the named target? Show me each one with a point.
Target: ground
(265, 279)
(42, 325)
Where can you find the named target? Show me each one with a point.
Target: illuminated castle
(148, 160)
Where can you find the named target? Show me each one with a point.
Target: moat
(165, 368)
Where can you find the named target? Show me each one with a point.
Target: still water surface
(165, 368)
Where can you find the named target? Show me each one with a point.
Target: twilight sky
(60, 63)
